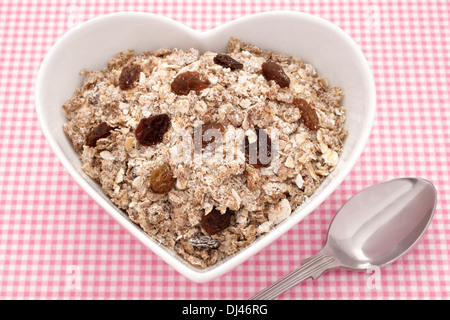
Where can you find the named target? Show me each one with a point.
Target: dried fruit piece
(273, 71)
(215, 221)
(130, 74)
(203, 241)
(187, 81)
(162, 179)
(101, 131)
(227, 62)
(151, 130)
(309, 115)
(258, 153)
(208, 134)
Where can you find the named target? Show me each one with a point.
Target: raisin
(227, 62)
(103, 130)
(273, 71)
(162, 179)
(215, 221)
(151, 130)
(187, 81)
(208, 134)
(258, 153)
(309, 115)
(130, 74)
(204, 241)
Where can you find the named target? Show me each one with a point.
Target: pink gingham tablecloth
(57, 243)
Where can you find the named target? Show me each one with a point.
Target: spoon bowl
(380, 224)
(374, 228)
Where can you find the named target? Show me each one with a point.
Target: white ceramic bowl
(89, 46)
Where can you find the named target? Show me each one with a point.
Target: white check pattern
(57, 243)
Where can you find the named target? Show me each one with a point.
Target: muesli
(206, 152)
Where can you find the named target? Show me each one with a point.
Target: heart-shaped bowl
(89, 46)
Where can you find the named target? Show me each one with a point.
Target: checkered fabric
(57, 243)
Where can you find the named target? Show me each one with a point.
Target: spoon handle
(313, 267)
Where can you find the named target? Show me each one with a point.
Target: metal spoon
(374, 228)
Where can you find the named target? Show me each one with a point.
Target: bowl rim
(208, 274)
